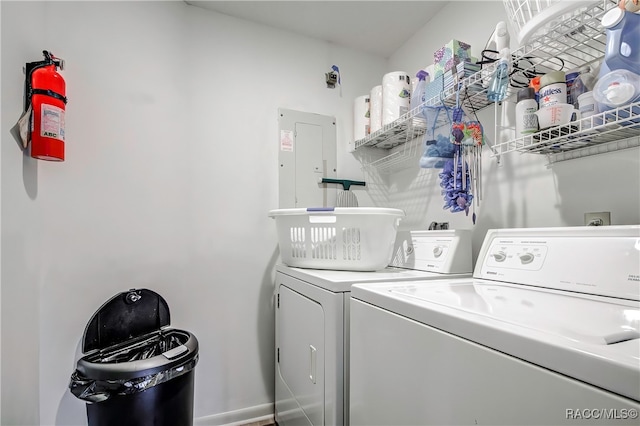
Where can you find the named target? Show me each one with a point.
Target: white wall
(171, 168)
(0, 241)
(20, 228)
(522, 191)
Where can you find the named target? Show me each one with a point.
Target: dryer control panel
(443, 251)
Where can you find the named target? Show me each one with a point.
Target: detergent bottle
(623, 41)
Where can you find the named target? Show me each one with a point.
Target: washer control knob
(499, 256)
(437, 251)
(526, 258)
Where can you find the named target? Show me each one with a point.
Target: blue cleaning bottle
(497, 90)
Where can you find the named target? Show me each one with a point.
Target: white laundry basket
(534, 17)
(348, 238)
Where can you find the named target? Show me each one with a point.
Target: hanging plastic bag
(437, 145)
(92, 390)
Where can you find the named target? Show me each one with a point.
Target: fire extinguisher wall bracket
(45, 92)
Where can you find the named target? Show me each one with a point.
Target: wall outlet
(597, 219)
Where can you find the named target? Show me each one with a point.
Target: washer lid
(591, 338)
(126, 315)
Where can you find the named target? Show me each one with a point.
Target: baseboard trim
(257, 413)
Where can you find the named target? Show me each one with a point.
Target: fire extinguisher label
(52, 122)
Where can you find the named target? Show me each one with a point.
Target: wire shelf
(566, 45)
(390, 163)
(404, 129)
(601, 148)
(533, 18)
(413, 124)
(605, 127)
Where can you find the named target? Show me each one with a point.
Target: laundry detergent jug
(623, 41)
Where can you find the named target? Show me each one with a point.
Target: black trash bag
(93, 390)
(145, 349)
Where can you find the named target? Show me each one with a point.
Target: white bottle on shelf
(583, 83)
(526, 118)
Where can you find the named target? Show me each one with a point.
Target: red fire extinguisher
(45, 91)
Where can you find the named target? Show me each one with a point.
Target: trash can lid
(125, 316)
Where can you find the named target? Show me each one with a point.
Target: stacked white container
(396, 95)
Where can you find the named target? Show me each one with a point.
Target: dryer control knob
(437, 251)
(499, 256)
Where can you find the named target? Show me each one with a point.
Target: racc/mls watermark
(601, 413)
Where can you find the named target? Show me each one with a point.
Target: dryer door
(302, 354)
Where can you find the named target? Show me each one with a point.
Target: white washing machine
(312, 323)
(546, 332)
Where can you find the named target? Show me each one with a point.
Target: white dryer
(312, 323)
(546, 332)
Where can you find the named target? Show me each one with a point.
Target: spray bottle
(417, 97)
(499, 40)
(497, 90)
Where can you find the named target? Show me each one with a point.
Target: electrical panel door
(307, 153)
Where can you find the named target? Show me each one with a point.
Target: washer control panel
(600, 260)
(517, 256)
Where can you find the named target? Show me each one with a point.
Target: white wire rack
(533, 18)
(572, 44)
(568, 44)
(582, 137)
(565, 44)
(401, 138)
(396, 159)
(404, 129)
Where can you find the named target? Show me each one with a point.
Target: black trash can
(136, 371)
